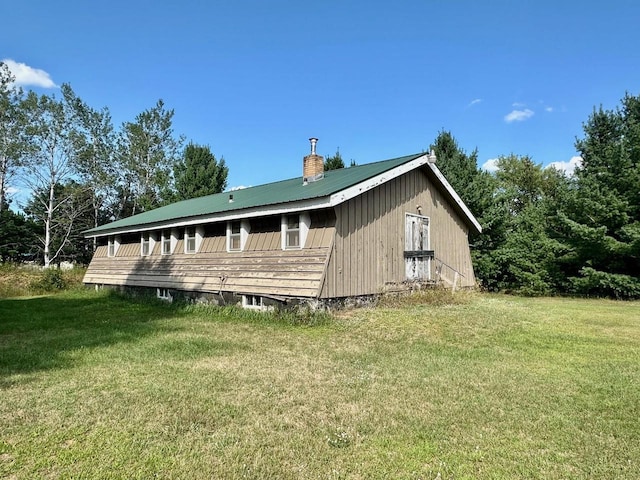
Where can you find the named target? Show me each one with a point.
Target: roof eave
(301, 205)
(274, 209)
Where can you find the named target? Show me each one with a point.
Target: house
(356, 231)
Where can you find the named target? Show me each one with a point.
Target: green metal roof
(282, 192)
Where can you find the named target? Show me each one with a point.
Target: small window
(145, 248)
(164, 294)
(166, 242)
(253, 302)
(292, 232)
(190, 240)
(235, 237)
(111, 247)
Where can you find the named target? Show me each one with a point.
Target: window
(145, 244)
(294, 230)
(164, 294)
(190, 240)
(111, 247)
(252, 302)
(166, 242)
(255, 302)
(237, 234)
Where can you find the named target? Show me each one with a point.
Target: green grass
(97, 386)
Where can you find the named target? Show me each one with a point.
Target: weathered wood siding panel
(368, 252)
(287, 273)
(261, 269)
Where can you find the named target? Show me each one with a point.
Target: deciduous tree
(72, 216)
(48, 161)
(93, 153)
(12, 139)
(147, 151)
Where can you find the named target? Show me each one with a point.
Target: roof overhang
(303, 205)
(456, 198)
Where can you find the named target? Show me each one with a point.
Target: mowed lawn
(97, 386)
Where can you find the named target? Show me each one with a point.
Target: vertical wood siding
(368, 252)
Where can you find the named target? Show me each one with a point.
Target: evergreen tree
(476, 188)
(199, 173)
(18, 237)
(335, 162)
(515, 251)
(601, 224)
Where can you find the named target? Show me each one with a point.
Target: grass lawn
(96, 386)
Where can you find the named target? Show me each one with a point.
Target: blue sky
(255, 79)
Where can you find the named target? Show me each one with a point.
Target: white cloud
(475, 101)
(548, 109)
(239, 187)
(26, 75)
(567, 167)
(490, 165)
(518, 115)
(518, 105)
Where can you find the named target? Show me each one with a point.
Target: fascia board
(276, 209)
(312, 204)
(358, 189)
(456, 198)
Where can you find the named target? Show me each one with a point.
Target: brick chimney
(312, 165)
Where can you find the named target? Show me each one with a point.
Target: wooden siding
(261, 269)
(367, 255)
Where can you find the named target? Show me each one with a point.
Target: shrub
(602, 284)
(51, 280)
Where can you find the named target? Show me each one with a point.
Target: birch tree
(147, 151)
(48, 163)
(93, 152)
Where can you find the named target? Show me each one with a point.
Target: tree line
(544, 232)
(82, 171)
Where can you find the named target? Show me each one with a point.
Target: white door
(417, 257)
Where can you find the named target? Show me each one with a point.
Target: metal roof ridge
(216, 197)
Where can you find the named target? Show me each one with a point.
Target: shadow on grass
(40, 333)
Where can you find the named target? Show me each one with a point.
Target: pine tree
(334, 162)
(601, 224)
(199, 173)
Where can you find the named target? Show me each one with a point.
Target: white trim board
(304, 205)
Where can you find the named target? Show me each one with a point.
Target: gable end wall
(368, 251)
